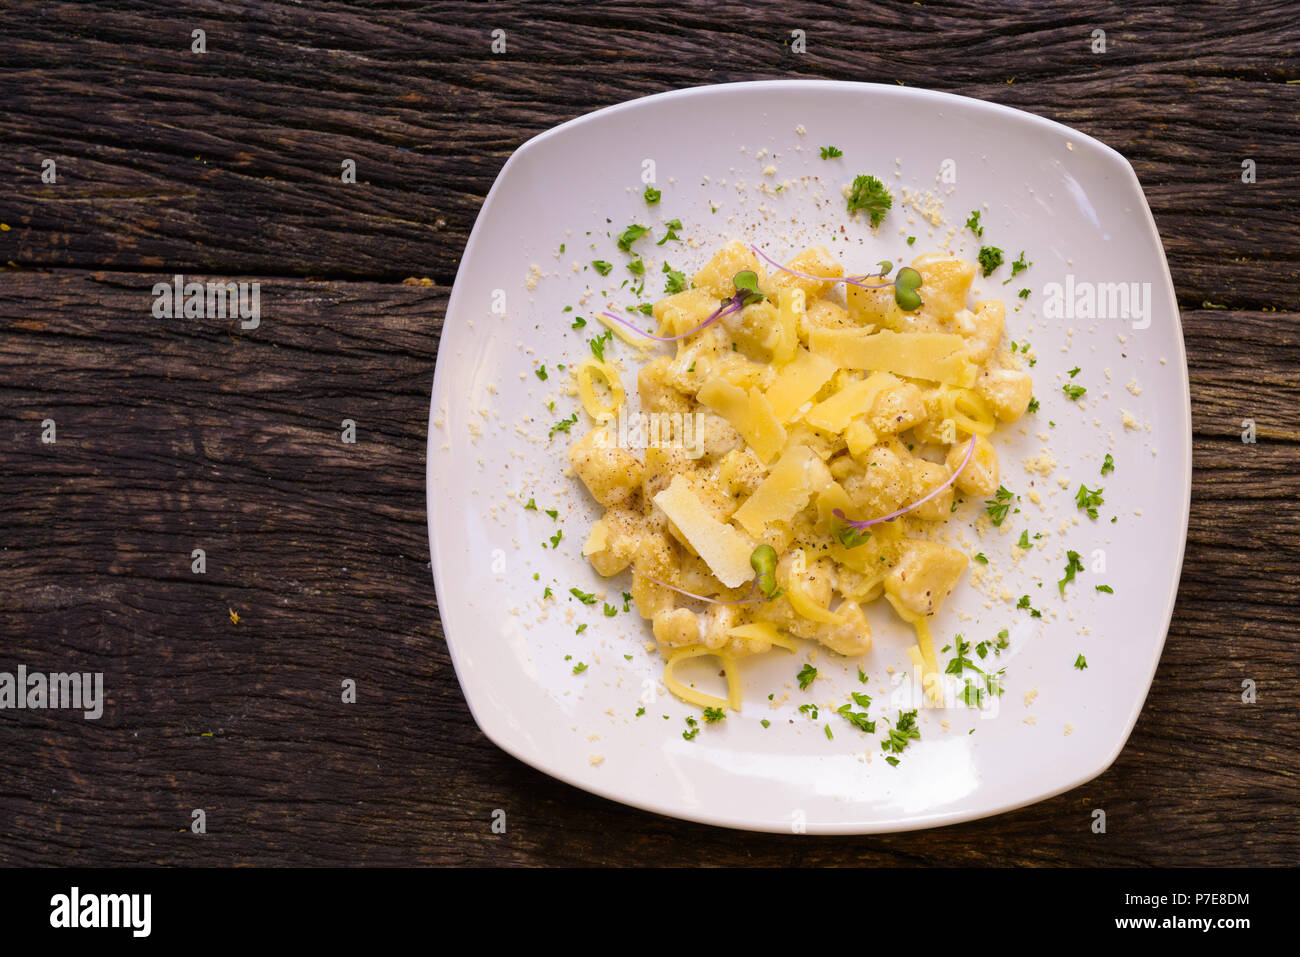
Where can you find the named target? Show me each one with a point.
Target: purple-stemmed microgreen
(904, 284)
(746, 286)
(763, 561)
(864, 524)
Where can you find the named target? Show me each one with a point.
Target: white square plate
(719, 153)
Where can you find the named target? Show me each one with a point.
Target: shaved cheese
(854, 399)
(935, 356)
(790, 315)
(784, 492)
(860, 438)
(798, 382)
(723, 548)
(749, 413)
(598, 538)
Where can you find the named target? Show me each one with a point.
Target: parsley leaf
(601, 266)
(831, 152)
(631, 235)
(672, 226)
(676, 281)
(998, 505)
(563, 425)
(990, 258)
(973, 223)
(652, 195)
(869, 194)
(807, 675)
(1088, 499)
(1072, 565)
(586, 597)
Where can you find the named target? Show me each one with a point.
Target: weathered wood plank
(188, 433)
(229, 161)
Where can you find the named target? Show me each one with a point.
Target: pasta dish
(807, 437)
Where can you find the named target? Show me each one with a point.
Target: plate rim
(894, 825)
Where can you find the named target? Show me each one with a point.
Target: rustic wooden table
(175, 435)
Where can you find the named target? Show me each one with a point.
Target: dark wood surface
(175, 435)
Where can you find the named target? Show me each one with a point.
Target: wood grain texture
(183, 434)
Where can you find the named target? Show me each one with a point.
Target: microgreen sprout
(862, 525)
(746, 284)
(764, 563)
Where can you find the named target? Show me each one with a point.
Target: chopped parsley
(555, 539)
(911, 240)
(1106, 588)
(640, 711)
(714, 715)
(1033, 404)
(1024, 541)
(862, 675)
(631, 235)
(601, 266)
(829, 736)
(652, 195)
(579, 668)
(807, 675)
(672, 226)
(1088, 499)
(610, 610)
(627, 601)
(1018, 266)
(676, 281)
(960, 663)
(869, 194)
(831, 152)
(990, 258)
(563, 425)
(637, 266)
(1073, 372)
(903, 731)
(1108, 465)
(578, 323)
(1075, 392)
(598, 344)
(1072, 565)
(1024, 603)
(858, 719)
(554, 513)
(973, 223)
(586, 597)
(981, 558)
(1023, 294)
(532, 504)
(1081, 662)
(765, 723)
(998, 505)
(546, 592)
(541, 372)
